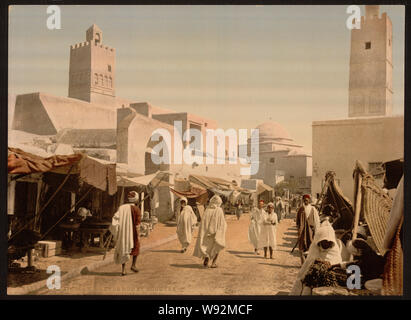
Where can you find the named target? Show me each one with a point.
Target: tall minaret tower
(92, 69)
(370, 86)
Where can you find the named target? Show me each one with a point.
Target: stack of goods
(321, 274)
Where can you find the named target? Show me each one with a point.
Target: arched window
(110, 82)
(105, 81)
(95, 78)
(101, 80)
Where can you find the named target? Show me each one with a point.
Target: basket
(376, 208)
(393, 269)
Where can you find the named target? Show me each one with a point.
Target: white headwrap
(215, 202)
(184, 199)
(132, 196)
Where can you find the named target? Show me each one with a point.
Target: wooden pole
(358, 198)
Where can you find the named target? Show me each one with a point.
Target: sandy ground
(166, 271)
(75, 258)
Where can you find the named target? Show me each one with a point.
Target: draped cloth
(122, 230)
(185, 223)
(254, 229)
(268, 233)
(332, 255)
(211, 234)
(308, 221)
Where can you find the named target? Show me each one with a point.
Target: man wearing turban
(308, 221)
(125, 234)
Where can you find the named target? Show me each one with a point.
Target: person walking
(124, 227)
(186, 221)
(211, 234)
(279, 208)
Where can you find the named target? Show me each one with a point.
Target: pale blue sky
(240, 65)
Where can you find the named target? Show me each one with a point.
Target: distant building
(281, 158)
(370, 134)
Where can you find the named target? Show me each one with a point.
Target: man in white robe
(326, 247)
(186, 221)
(268, 232)
(124, 227)
(211, 234)
(255, 225)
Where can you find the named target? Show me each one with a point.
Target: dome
(273, 130)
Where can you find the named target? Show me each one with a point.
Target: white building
(281, 158)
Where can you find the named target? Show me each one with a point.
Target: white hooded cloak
(185, 223)
(211, 234)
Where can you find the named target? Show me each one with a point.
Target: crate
(48, 249)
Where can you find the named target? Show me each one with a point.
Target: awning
(21, 162)
(262, 187)
(98, 173)
(196, 192)
(157, 179)
(224, 193)
(202, 181)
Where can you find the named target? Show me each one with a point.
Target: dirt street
(166, 271)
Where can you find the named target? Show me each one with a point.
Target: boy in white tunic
(268, 232)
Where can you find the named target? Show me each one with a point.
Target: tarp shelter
(98, 173)
(262, 187)
(196, 192)
(333, 195)
(156, 179)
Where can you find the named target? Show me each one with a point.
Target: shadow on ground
(188, 266)
(86, 272)
(167, 251)
(240, 252)
(280, 265)
(22, 277)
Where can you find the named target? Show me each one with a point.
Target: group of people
(211, 233)
(212, 229)
(210, 240)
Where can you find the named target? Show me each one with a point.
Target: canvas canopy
(196, 192)
(98, 173)
(262, 187)
(156, 179)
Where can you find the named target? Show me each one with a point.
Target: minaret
(92, 69)
(370, 83)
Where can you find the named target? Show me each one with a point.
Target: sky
(239, 65)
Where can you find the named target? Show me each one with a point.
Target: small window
(109, 68)
(272, 160)
(389, 42)
(368, 45)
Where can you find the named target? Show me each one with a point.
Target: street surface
(164, 270)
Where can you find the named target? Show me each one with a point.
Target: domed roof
(273, 130)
